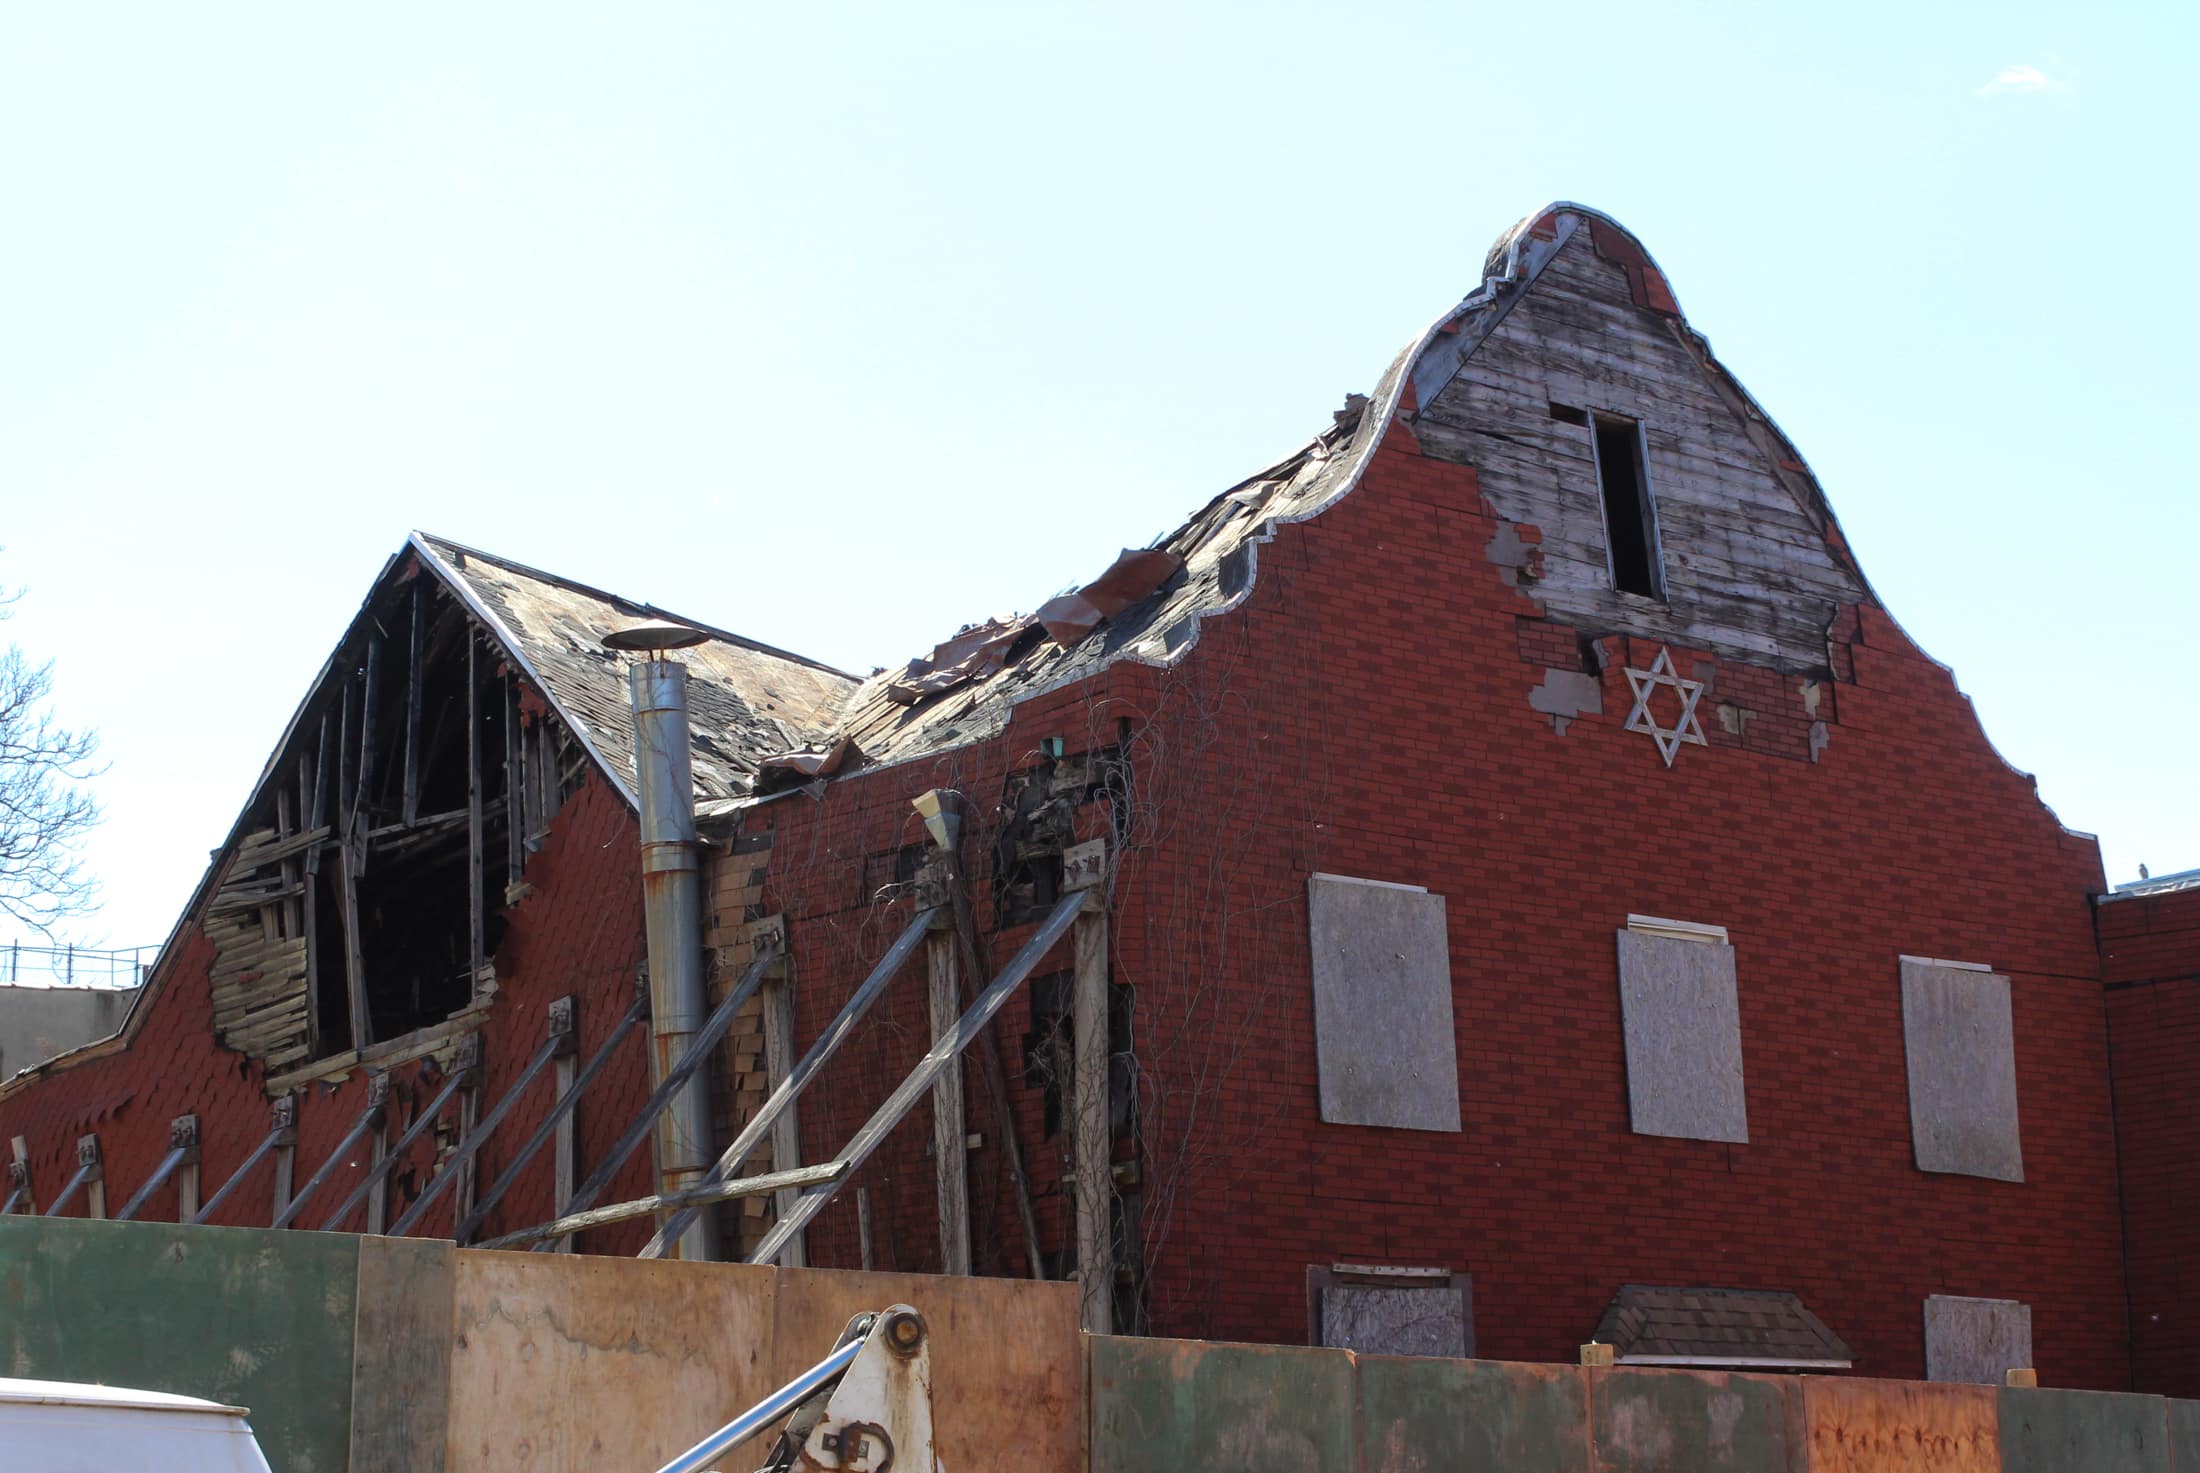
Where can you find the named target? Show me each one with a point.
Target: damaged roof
(965, 689)
(746, 700)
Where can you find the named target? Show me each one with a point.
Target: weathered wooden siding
(1748, 572)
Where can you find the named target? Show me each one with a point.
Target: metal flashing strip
(699, 1048)
(547, 1126)
(798, 1079)
(920, 1080)
(1378, 884)
(1934, 961)
(1736, 1362)
(1678, 930)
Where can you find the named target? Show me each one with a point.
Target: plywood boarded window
(1382, 1004)
(1976, 1340)
(1959, 1038)
(1682, 1020)
(1379, 1310)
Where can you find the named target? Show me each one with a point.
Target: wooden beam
(515, 789)
(409, 806)
(989, 1070)
(950, 1131)
(475, 920)
(564, 1149)
(810, 1177)
(355, 957)
(370, 704)
(1091, 1139)
(319, 805)
(786, 1132)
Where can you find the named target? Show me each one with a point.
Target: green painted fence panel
(1472, 1416)
(1649, 1421)
(1185, 1404)
(245, 1316)
(2055, 1431)
(2184, 1435)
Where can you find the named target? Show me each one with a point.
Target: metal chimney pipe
(672, 903)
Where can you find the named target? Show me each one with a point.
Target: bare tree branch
(45, 811)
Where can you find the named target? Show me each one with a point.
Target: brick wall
(579, 933)
(1367, 712)
(2150, 954)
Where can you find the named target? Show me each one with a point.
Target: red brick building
(1539, 890)
(2150, 957)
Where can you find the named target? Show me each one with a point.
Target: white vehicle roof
(82, 1394)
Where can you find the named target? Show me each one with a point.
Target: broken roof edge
(422, 540)
(156, 976)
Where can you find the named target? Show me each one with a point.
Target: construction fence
(373, 1355)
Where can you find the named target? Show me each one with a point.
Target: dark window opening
(1567, 414)
(1630, 519)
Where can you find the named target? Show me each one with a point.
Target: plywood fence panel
(1008, 1371)
(564, 1363)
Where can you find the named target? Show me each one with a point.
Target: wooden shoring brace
(378, 1094)
(558, 1044)
(693, 1198)
(87, 1174)
(785, 1093)
(989, 1067)
(950, 1129)
(778, 1065)
(465, 1063)
(558, 1121)
(1091, 1139)
(919, 1083)
(282, 1135)
(691, 1058)
(19, 1179)
(183, 1145)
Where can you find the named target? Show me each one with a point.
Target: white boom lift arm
(866, 1408)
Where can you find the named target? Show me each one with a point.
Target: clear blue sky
(843, 325)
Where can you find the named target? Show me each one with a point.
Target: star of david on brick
(1646, 683)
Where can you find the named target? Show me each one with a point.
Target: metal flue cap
(654, 634)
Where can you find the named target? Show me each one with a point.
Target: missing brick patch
(1566, 695)
(1820, 734)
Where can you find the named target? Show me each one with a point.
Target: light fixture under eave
(654, 634)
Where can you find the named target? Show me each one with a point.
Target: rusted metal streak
(690, 1060)
(919, 1083)
(388, 1163)
(693, 1197)
(836, 1033)
(476, 1138)
(548, 1125)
